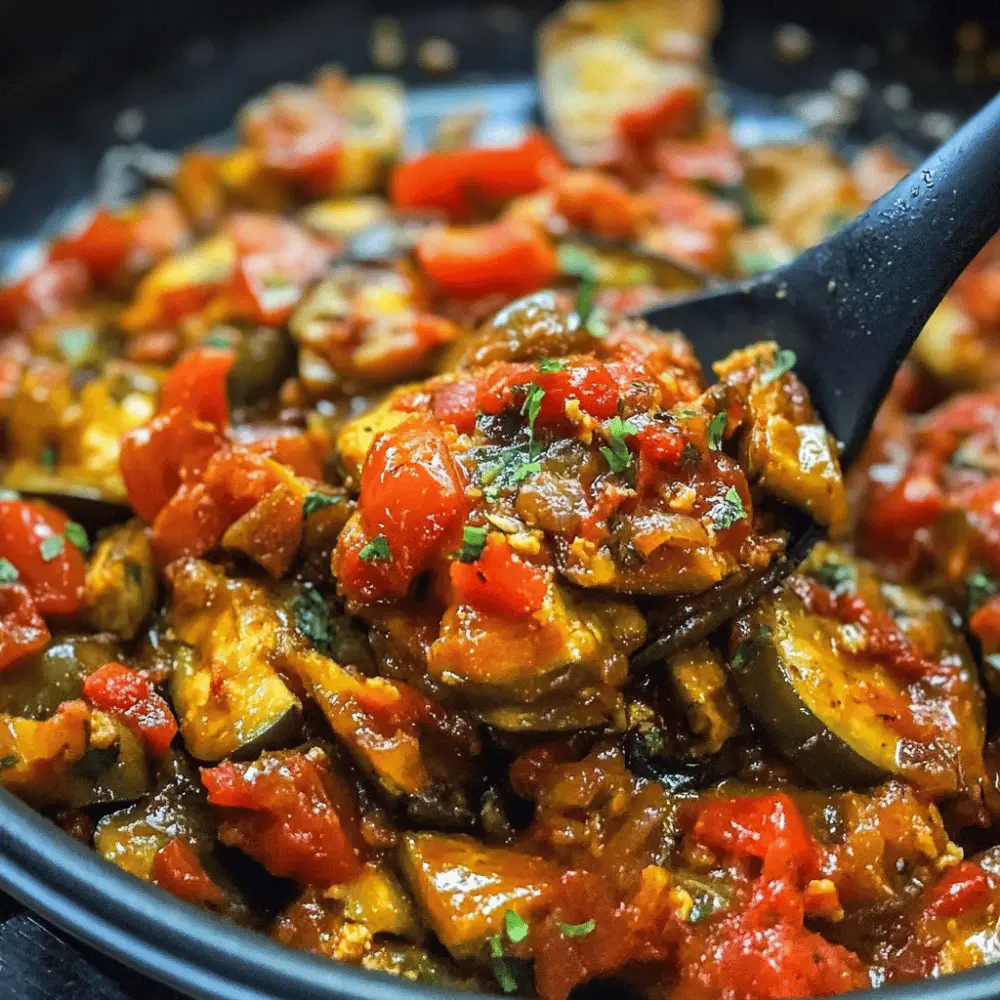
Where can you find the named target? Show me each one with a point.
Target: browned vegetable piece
(121, 580)
(464, 887)
(420, 965)
(271, 531)
(840, 714)
(312, 923)
(228, 696)
(378, 901)
(706, 696)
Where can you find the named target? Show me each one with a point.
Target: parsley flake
(312, 618)
(727, 511)
(51, 547)
(77, 534)
(473, 543)
(515, 926)
(532, 405)
(576, 930)
(783, 362)
(716, 428)
(216, 340)
(577, 262)
(838, 577)
(501, 965)
(549, 366)
(377, 550)
(524, 470)
(585, 298)
(315, 501)
(48, 457)
(596, 325)
(617, 454)
(8, 571)
(652, 740)
(979, 588)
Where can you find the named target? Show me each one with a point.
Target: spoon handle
(872, 286)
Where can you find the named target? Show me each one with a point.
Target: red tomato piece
(673, 113)
(985, 623)
(298, 133)
(894, 513)
(457, 182)
(178, 869)
(33, 538)
(191, 524)
(22, 629)
(712, 157)
(197, 384)
(498, 582)
(238, 480)
(597, 202)
(55, 286)
(661, 443)
(768, 827)
(980, 292)
(129, 696)
(103, 247)
(964, 888)
(155, 459)
(296, 817)
(160, 227)
(413, 494)
(302, 453)
(455, 404)
(509, 258)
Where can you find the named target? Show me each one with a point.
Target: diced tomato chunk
(50, 566)
(103, 247)
(455, 404)
(985, 623)
(510, 258)
(197, 384)
(55, 286)
(964, 888)
(179, 870)
(712, 157)
(22, 629)
(296, 817)
(238, 480)
(673, 113)
(191, 524)
(895, 512)
(498, 582)
(598, 202)
(129, 696)
(456, 182)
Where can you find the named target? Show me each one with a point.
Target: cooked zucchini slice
(839, 713)
(464, 887)
(121, 581)
(229, 698)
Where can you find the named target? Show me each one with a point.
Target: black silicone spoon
(850, 308)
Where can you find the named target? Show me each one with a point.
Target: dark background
(68, 70)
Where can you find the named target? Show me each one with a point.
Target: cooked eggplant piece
(376, 121)
(35, 687)
(265, 357)
(464, 887)
(228, 696)
(121, 581)
(113, 768)
(707, 699)
(378, 901)
(841, 714)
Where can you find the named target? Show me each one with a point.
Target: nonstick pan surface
(66, 75)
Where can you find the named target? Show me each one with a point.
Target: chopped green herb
(684, 414)
(48, 457)
(716, 428)
(497, 467)
(216, 340)
(531, 405)
(784, 362)
(727, 511)
(690, 456)
(8, 571)
(501, 965)
(312, 618)
(596, 325)
(6, 494)
(75, 343)
(377, 550)
(754, 262)
(515, 926)
(473, 543)
(96, 760)
(316, 500)
(979, 588)
(77, 534)
(524, 470)
(10, 760)
(576, 261)
(550, 365)
(838, 577)
(764, 632)
(585, 299)
(652, 740)
(753, 215)
(743, 654)
(576, 930)
(618, 456)
(51, 547)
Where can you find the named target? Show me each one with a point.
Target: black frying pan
(66, 74)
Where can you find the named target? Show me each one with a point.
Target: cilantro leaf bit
(8, 571)
(716, 428)
(596, 325)
(51, 547)
(576, 930)
(501, 965)
(497, 467)
(577, 262)
(315, 501)
(753, 214)
(748, 648)
(549, 366)
(377, 550)
(838, 577)
(754, 262)
(979, 588)
(515, 926)
(473, 543)
(48, 457)
(312, 618)
(216, 340)
(617, 454)
(534, 394)
(77, 534)
(524, 470)
(727, 511)
(784, 362)
(585, 298)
